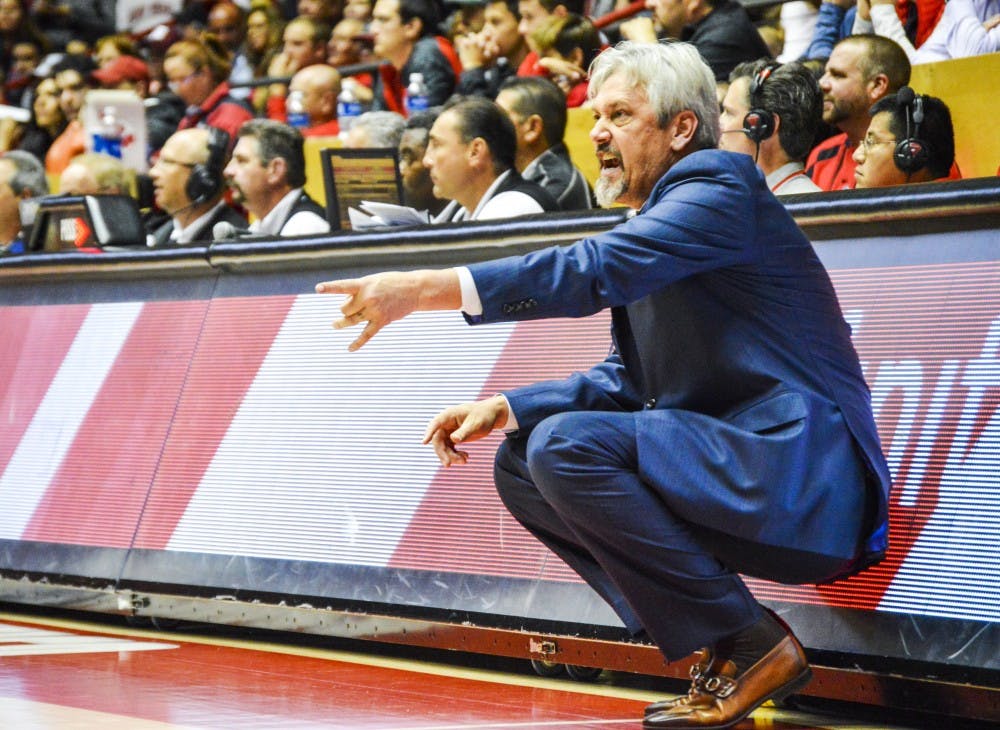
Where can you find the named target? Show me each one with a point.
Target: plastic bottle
(296, 109)
(107, 135)
(348, 106)
(416, 94)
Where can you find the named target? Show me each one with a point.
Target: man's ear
(413, 28)
(534, 128)
(477, 151)
(277, 170)
(682, 129)
(878, 86)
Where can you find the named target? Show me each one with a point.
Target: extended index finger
(339, 286)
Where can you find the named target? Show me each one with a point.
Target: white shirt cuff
(511, 424)
(471, 303)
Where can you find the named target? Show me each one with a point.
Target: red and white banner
(242, 426)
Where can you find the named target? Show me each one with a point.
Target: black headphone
(206, 177)
(911, 153)
(758, 124)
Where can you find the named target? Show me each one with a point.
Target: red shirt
(219, 110)
(831, 163)
(327, 129)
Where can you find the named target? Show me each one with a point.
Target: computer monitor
(82, 222)
(353, 175)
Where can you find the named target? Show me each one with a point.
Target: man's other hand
(380, 299)
(465, 422)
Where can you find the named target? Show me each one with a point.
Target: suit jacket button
(651, 403)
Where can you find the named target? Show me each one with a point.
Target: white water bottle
(296, 108)
(416, 94)
(348, 106)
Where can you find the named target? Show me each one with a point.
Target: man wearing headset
(187, 185)
(910, 139)
(771, 112)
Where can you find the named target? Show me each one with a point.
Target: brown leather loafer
(698, 673)
(722, 699)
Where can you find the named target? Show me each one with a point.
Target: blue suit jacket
(728, 338)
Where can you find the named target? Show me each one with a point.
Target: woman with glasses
(197, 70)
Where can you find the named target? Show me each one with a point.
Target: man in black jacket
(721, 30)
(470, 155)
(266, 174)
(187, 185)
(537, 107)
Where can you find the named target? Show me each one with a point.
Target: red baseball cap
(123, 68)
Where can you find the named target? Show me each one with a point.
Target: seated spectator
(47, 121)
(346, 46)
(534, 14)
(494, 53)
(721, 30)
(319, 86)
(566, 46)
(163, 111)
(18, 26)
(797, 19)
(836, 21)
(24, 175)
(860, 71)
(910, 140)
(966, 28)
(405, 35)
(375, 129)
(537, 107)
(197, 70)
(20, 80)
(72, 77)
(418, 189)
(324, 12)
(264, 30)
(303, 44)
(359, 10)
(227, 22)
(94, 173)
(68, 21)
(266, 174)
(772, 112)
(112, 47)
(188, 186)
(471, 156)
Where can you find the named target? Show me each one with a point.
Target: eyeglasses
(870, 141)
(175, 84)
(178, 163)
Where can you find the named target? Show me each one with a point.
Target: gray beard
(608, 193)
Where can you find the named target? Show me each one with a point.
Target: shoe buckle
(697, 671)
(719, 686)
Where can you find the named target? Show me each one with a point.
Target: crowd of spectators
(811, 90)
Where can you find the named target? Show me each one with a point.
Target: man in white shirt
(470, 154)
(266, 174)
(771, 112)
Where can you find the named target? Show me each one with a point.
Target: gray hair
(674, 77)
(276, 139)
(385, 129)
(29, 173)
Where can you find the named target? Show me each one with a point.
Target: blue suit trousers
(575, 482)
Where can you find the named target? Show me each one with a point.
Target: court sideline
(86, 674)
